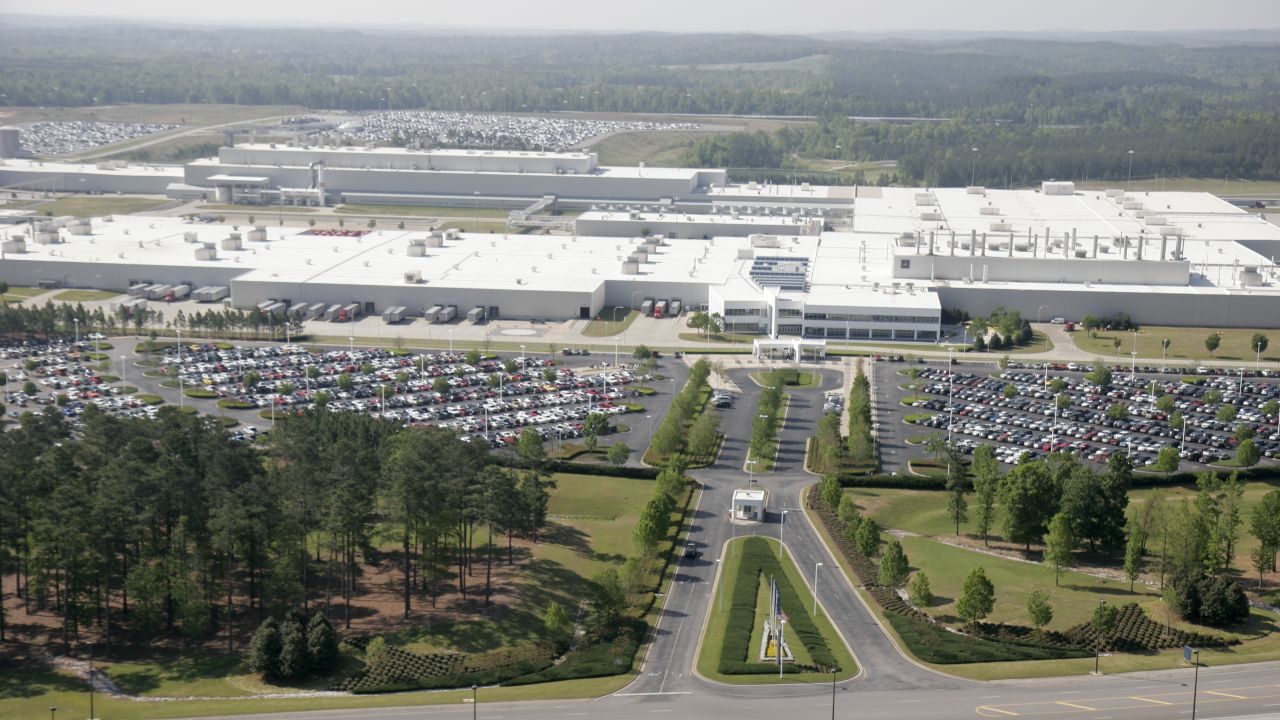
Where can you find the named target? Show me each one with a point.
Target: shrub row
(935, 644)
(398, 669)
(599, 660)
(1134, 631)
(758, 559)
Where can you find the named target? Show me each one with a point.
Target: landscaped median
(733, 634)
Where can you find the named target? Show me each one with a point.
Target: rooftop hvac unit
(976, 190)
(1058, 188)
(417, 251)
(206, 251)
(988, 210)
(190, 237)
(413, 277)
(931, 216)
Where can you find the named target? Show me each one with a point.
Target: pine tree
(894, 565)
(264, 650)
(295, 661)
(322, 643)
(978, 597)
(1059, 544)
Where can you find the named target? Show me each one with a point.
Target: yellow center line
(1150, 700)
(1073, 705)
(997, 710)
(1223, 694)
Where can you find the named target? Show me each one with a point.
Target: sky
(761, 16)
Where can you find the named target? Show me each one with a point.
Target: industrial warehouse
(773, 260)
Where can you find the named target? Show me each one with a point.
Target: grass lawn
(96, 205)
(1187, 343)
(803, 379)
(76, 296)
(18, 294)
(1073, 600)
(1217, 186)
(41, 689)
(1039, 343)
(664, 148)
(423, 211)
(717, 622)
(260, 213)
(610, 323)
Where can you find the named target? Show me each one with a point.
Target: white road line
(643, 694)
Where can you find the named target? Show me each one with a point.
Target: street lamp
(815, 589)
(1130, 180)
(351, 345)
(474, 700)
(76, 321)
(124, 370)
(1195, 685)
(450, 341)
(751, 475)
(973, 171)
(650, 441)
(833, 692)
(1097, 649)
(1042, 307)
(615, 351)
(53, 712)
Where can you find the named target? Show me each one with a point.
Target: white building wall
(1216, 309)
(112, 276)
(1024, 269)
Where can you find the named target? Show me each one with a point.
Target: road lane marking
(1227, 695)
(644, 694)
(1073, 705)
(1143, 699)
(997, 710)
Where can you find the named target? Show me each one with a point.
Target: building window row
(841, 317)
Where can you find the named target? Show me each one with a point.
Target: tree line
(1242, 145)
(20, 320)
(1033, 82)
(165, 527)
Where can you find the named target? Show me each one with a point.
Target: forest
(1034, 108)
(140, 529)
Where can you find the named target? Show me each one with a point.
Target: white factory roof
(108, 168)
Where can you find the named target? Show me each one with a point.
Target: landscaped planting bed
(737, 657)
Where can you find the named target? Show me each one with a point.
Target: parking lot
(491, 401)
(59, 137)
(462, 129)
(973, 406)
(61, 367)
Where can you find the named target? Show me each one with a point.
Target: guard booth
(749, 504)
(790, 349)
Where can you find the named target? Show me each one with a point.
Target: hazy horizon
(809, 17)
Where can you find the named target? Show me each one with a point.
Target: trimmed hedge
(233, 404)
(758, 559)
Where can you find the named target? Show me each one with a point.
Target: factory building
(775, 260)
